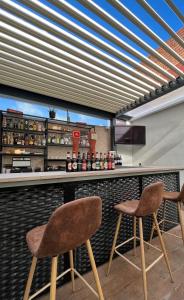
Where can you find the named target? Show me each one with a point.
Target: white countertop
(24, 179)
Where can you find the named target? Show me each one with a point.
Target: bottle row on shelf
(67, 140)
(91, 162)
(10, 138)
(22, 124)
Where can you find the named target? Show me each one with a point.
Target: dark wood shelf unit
(47, 123)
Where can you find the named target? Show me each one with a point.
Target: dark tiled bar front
(28, 201)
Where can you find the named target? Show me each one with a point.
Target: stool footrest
(172, 234)
(58, 277)
(130, 262)
(48, 284)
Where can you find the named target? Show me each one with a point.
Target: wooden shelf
(23, 131)
(66, 145)
(21, 155)
(55, 159)
(23, 146)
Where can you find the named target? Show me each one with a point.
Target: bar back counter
(27, 200)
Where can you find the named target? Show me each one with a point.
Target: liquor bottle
(74, 162)
(26, 140)
(105, 162)
(84, 163)
(101, 161)
(97, 162)
(5, 139)
(93, 162)
(22, 125)
(79, 163)
(30, 126)
(88, 162)
(19, 139)
(49, 139)
(22, 140)
(68, 162)
(34, 126)
(30, 140)
(112, 162)
(11, 124)
(109, 162)
(26, 125)
(43, 141)
(39, 126)
(4, 122)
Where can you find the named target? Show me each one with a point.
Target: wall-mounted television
(130, 135)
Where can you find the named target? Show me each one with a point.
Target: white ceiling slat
(34, 63)
(62, 88)
(75, 62)
(119, 26)
(122, 8)
(110, 66)
(62, 65)
(176, 10)
(22, 84)
(54, 16)
(74, 12)
(61, 92)
(18, 68)
(62, 78)
(45, 52)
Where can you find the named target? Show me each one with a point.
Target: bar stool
(149, 203)
(70, 225)
(178, 199)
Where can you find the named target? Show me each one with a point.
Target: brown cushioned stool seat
(69, 226)
(172, 196)
(178, 199)
(127, 207)
(148, 204)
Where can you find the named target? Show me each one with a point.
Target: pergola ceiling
(56, 49)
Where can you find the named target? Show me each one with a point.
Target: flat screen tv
(130, 135)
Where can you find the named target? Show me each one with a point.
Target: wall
(164, 138)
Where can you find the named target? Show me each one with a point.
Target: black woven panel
(171, 183)
(112, 191)
(21, 210)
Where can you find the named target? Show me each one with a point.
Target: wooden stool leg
(135, 234)
(143, 259)
(181, 218)
(30, 278)
(164, 211)
(53, 278)
(163, 246)
(152, 229)
(72, 271)
(114, 243)
(94, 269)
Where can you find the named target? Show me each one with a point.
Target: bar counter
(27, 200)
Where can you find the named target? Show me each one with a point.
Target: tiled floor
(125, 283)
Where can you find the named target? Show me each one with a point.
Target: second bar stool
(178, 199)
(70, 226)
(147, 205)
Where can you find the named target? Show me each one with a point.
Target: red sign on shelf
(76, 134)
